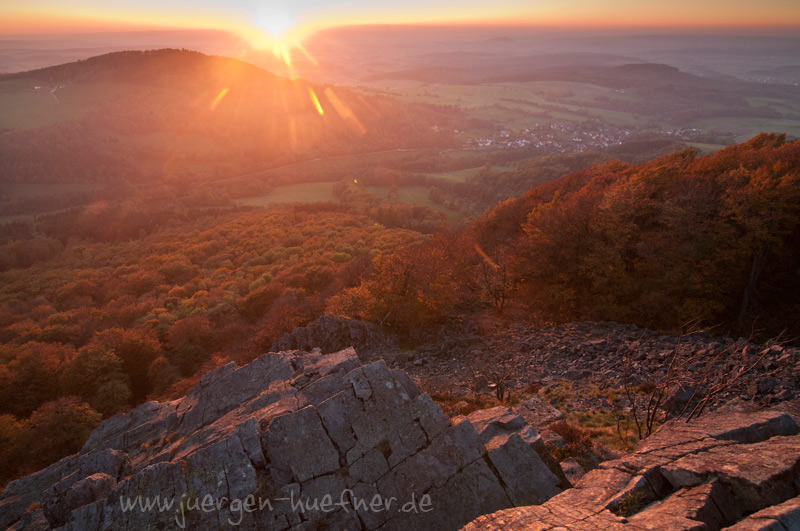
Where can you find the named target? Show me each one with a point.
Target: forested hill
(166, 67)
(681, 239)
(181, 115)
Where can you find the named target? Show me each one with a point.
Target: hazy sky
(275, 16)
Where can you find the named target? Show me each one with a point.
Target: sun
(273, 28)
(274, 19)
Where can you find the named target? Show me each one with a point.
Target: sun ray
(299, 45)
(284, 55)
(486, 257)
(316, 102)
(367, 104)
(283, 51)
(345, 112)
(219, 98)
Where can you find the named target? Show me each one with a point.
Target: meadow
(294, 193)
(743, 128)
(24, 107)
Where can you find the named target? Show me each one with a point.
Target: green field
(745, 128)
(22, 107)
(469, 96)
(707, 149)
(534, 94)
(295, 193)
(459, 176)
(343, 163)
(26, 191)
(19, 110)
(15, 191)
(520, 105)
(517, 105)
(463, 176)
(343, 167)
(550, 90)
(413, 195)
(28, 218)
(781, 106)
(316, 192)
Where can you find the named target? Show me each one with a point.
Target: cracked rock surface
(729, 469)
(293, 440)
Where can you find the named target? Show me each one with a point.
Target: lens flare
(219, 98)
(283, 53)
(345, 112)
(316, 101)
(299, 46)
(486, 257)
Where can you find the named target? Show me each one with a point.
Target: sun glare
(274, 28)
(276, 20)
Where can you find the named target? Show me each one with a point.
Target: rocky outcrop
(291, 441)
(500, 426)
(729, 468)
(332, 334)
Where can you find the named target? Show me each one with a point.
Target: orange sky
(304, 16)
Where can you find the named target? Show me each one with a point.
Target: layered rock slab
(290, 441)
(727, 469)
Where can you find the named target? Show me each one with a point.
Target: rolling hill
(175, 115)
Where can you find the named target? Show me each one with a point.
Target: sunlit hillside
(176, 115)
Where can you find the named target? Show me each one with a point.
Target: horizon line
(433, 24)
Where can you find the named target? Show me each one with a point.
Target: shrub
(578, 442)
(59, 428)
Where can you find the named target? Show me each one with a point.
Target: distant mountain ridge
(160, 67)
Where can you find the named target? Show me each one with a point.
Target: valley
(493, 102)
(595, 223)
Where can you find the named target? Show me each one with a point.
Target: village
(562, 137)
(565, 137)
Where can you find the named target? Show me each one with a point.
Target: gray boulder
(332, 334)
(729, 468)
(496, 427)
(293, 440)
(537, 412)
